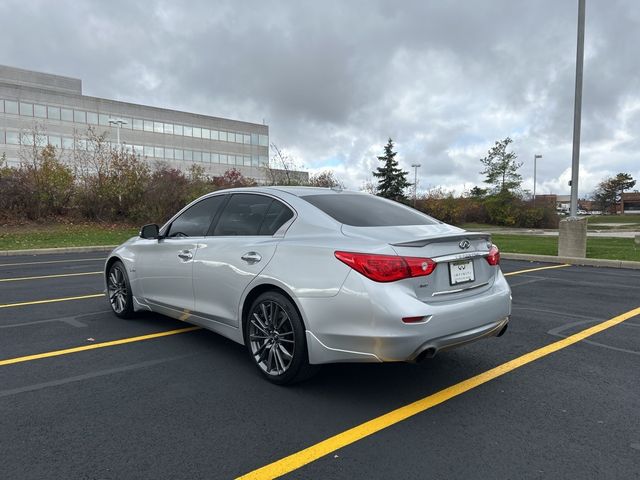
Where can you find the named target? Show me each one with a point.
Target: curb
(49, 251)
(590, 262)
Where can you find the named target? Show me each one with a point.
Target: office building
(55, 107)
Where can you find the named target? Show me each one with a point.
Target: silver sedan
(306, 276)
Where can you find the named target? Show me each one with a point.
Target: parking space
(191, 405)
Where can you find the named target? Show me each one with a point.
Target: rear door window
(243, 215)
(277, 215)
(361, 210)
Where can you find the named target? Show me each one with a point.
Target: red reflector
(412, 319)
(387, 268)
(494, 256)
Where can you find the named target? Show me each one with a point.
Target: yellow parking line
(538, 268)
(50, 300)
(40, 277)
(325, 447)
(122, 341)
(51, 261)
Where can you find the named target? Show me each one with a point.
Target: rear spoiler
(447, 238)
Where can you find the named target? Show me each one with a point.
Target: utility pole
(572, 238)
(535, 157)
(415, 182)
(577, 111)
(118, 123)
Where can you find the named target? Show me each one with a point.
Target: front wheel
(275, 337)
(119, 290)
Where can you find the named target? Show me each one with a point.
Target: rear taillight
(387, 268)
(494, 256)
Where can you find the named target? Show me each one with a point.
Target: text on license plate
(460, 272)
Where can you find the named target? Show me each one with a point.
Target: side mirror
(150, 231)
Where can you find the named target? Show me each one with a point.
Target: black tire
(119, 290)
(276, 341)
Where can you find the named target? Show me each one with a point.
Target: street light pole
(415, 182)
(118, 123)
(577, 111)
(535, 157)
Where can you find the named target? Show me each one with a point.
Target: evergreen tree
(501, 167)
(392, 180)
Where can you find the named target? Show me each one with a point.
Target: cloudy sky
(335, 79)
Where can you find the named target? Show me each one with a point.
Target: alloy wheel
(271, 337)
(117, 289)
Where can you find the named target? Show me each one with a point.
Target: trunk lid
(462, 269)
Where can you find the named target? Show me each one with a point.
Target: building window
(168, 153)
(214, 135)
(148, 151)
(231, 137)
(188, 155)
(148, 126)
(158, 152)
(222, 136)
(26, 139)
(206, 157)
(81, 144)
(215, 158)
(223, 158)
(41, 140)
(67, 143)
(247, 139)
(66, 114)
(103, 119)
(168, 128)
(206, 133)
(177, 129)
(26, 109)
(55, 141)
(263, 140)
(11, 107)
(197, 132)
(40, 111)
(127, 122)
(188, 131)
(1, 106)
(264, 161)
(197, 156)
(179, 154)
(254, 139)
(158, 127)
(92, 118)
(137, 124)
(13, 138)
(79, 116)
(53, 113)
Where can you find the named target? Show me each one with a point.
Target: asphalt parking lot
(191, 405)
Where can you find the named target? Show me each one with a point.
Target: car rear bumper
(363, 323)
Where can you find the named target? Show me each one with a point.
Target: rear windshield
(367, 210)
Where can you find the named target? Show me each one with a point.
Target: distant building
(54, 106)
(562, 203)
(630, 203)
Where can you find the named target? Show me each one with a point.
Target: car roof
(302, 191)
(297, 191)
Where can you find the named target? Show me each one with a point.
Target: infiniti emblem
(464, 244)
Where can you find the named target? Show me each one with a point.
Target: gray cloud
(335, 79)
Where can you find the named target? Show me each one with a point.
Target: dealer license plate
(461, 272)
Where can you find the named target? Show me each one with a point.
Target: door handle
(251, 257)
(185, 255)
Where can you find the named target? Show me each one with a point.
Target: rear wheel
(275, 338)
(119, 290)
